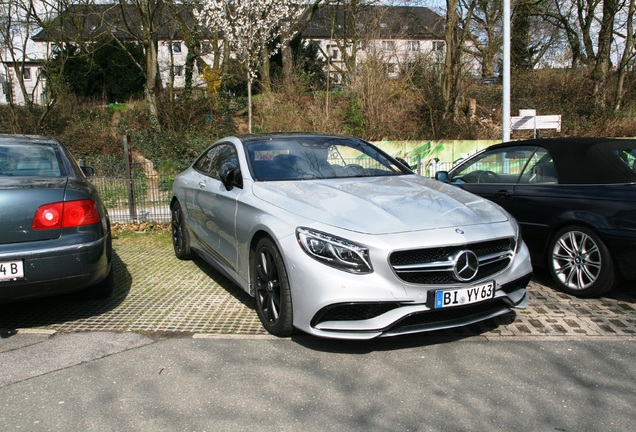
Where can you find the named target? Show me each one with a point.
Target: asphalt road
(101, 381)
(179, 348)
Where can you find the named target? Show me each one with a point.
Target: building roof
(387, 22)
(390, 22)
(94, 21)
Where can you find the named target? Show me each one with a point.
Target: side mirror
(442, 176)
(88, 171)
(230, 175)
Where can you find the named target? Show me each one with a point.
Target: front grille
(434, 266)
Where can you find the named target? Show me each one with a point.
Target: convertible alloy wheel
(273, 295)
(180, 237)
(580, 263)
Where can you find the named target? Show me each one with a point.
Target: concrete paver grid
(155, 292)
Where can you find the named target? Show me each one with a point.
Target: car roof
(274, 135)
(27, 139)
(584, 160)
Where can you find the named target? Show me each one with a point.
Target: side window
(627, 156)
(540, 169)
(503, 165)
(211, 161)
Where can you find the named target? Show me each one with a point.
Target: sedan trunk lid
(19, 200)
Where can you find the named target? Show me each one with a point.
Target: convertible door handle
(503, 194)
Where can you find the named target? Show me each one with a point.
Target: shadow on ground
(47, 311)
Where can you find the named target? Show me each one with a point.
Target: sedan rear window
(28, 161)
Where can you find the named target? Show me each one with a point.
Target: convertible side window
(627, 156)
(540, 169)
(210, 162)
(502, 165)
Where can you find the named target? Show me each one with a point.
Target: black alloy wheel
(273, 294)
(180, 236)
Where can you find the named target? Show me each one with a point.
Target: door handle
(202, 185)
(503, 194)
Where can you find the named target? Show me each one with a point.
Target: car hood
(380, 205)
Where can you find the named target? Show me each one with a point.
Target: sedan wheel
(580, 263)
(180, 236)
(273, 295)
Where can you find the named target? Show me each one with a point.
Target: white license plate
(464, 296)
(11, 270)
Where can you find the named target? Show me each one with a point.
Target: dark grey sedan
(54, 230)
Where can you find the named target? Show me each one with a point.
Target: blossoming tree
(248, 27)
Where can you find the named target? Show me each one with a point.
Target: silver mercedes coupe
(336, 238)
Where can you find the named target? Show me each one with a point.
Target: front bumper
(334, 304)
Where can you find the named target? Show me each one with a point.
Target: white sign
(536, 122)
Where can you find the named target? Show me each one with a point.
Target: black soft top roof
(585, 160)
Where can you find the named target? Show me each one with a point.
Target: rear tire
(180, 235)
(580, 263)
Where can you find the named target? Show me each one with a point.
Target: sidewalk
(157, 293)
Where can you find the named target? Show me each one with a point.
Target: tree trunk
(603, 63)
(151, 85)
(265, 78)
(622, 67)
(450, 77)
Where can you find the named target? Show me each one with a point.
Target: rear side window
(627, 156)
(28, 161)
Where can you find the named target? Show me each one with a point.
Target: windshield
(302, 157)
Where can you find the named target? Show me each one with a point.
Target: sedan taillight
(66, 215)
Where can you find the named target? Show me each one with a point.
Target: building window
(176, 47)
(414, 45)
(438, 45)
(177, 71)
(334, 54)
(391, 68)
(26, 74)
(388, 45)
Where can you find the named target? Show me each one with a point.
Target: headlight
(334, 251)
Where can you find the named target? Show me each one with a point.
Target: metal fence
(138, 192)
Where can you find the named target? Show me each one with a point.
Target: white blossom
(248, 26)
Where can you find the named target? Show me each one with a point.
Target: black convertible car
(575, 199)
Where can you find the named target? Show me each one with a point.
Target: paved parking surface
(156, 293)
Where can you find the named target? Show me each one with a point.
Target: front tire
(580, 263)
(272, 291)
(180, 235)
